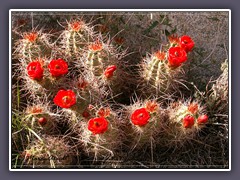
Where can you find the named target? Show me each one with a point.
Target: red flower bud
(98, 125)
(176, 56)
(186, 43)
(160, 55)
(193, 108)
(35, 70)
(188, 121)
(202, 119)
(86, 114)
(109, 71)
(103, 112)
(140, 117)
(76, 26)
(42, 121)
(31, 37)
(151, 106)
(65, 98)
(58, 67)
(97, 46)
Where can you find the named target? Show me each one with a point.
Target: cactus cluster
(70, 82)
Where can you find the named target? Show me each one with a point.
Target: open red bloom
(140, 117)
(188, 121)
(109, 71)
(202, 119)
(35, 70)
(65, 98)
(176, 56)
(186, 43)
(58, 67)
(98, 125)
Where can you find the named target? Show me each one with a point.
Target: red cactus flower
(103, 112)
(186, 43)
(58, 67)
(35, 70)
(31, 37)
(202, 119)
(193, 108)
(160, 55)
(151, 106)
(140, 117)
(42, 121)
(108, 73)
(176, 56)
(76, 26)
(188, 121)
(98, 125)
(97, 46)
(65, 98)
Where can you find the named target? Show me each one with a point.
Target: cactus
(48, 152)
(186, 119)
(39, 118)
(69, 84)
(162, 71)
(34, 44)
(75, 38)
(99, 133)
(143, 124)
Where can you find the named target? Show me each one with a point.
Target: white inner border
(116, 10)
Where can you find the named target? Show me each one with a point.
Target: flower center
(176, 53)
(57, 66)
(34, 68)
(140, 115)
(185, 42)
(96, 124)
(66, 99)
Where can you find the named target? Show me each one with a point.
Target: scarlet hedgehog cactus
(103, 66)
(143, 124)
(162, 71)
(186, 118)
(39, 118)
(48, 152)
(32, 45)
(74, 39)
(100, 134)
(71, 90)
